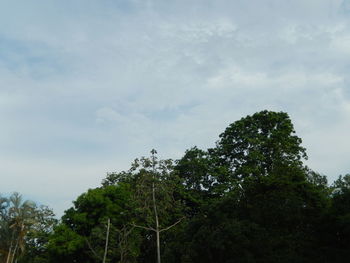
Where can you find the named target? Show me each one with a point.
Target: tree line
(250, 199)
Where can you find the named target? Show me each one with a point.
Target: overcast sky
(87, 86)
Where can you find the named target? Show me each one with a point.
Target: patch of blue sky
(55, 145)
(95, 8)
(169, 114)
(345, 7)
(11, 53)
(69, 114)
(37, 59)
(125, 6)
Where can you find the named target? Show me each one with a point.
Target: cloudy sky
(87, 86)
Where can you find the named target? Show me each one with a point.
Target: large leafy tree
(255, 145)
(257, 192)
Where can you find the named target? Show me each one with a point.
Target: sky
(87, 86)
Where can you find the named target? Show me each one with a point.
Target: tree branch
(143, 227)
(167, 228)
(92, 250)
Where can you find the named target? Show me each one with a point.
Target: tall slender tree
(18, 217)
(154, 193)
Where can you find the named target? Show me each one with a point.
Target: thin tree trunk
(14, 252)
(9, 255)
(155, 207)
(121, 257)
(157, 222)
(17, 243)
(10, 251)
(122, 244)
(107, 237)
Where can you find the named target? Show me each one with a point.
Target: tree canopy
(250, 199)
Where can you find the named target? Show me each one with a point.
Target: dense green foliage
(24, 230)
(248, 199)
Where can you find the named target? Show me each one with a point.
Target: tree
(20, 223)
(257, 191)
(256, 144)
(38, 236)
(274, 218)
(82, 235)
(249, 199)
(17, 216)
(336, 232)
(155, 186)
(139, 203)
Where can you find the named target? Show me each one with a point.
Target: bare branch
(167, 228)
(143, 227)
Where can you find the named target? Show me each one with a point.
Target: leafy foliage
(254, 145)
(248, 199)
(24, 228)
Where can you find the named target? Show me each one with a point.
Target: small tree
(20, 223)
(98, 228)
